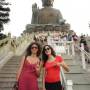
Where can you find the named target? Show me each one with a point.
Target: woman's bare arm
(65, 66)
(38, 68)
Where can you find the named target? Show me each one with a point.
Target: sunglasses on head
(47, 48)
(34, 47)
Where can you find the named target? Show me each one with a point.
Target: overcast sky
(76, 13)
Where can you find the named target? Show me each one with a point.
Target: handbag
(15, 86)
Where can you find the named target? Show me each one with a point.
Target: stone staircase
(80, 77)
(8, 73)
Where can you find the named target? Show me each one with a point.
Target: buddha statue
(46, 19)
(47, 14)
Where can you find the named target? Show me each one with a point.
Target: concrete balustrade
(4, 47)
(69, 85)
(84, 55)
(63, 47)
(14, 46)
(4, 41)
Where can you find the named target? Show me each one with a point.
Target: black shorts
(53, 86)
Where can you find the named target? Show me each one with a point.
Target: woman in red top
(51, 74)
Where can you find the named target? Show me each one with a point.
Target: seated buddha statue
(47, 14)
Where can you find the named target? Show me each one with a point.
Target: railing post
(73, 51)
(69, 85)
(68, 50)
(83, 56)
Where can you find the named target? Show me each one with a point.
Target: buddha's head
(47, 2)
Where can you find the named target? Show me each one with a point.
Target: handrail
(65, 46)
(63, 79)
(6, 51)
(4, 41)
(83, 55)
(83, 51)
(66, 84)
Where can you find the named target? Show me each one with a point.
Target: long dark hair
(44, 55)
(28, 50)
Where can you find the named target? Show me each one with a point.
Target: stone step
(7, 88)
(79, 79)
(6, 84)
(10, 66)
(11, 88)
(9, 69)
(81, 87)
(72, 62)
(76, 69)
(11, 62)
(15, 60)
(7, 72)
(7, 79)
(12, 75)
(67, 57)
(7, 75)
(9, 82)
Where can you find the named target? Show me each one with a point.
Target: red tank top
(53, 72)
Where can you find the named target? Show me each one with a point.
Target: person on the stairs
(29, 70)
(86, 48)
(51, 69)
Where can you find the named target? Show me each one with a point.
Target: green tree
(4, 13)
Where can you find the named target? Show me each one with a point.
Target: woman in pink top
(51, 70)
(29, 70)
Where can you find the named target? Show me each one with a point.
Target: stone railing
(4, 47)
(13, 46)
(84, 55)
(66, 84)
(4, 42)
(62, 47)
